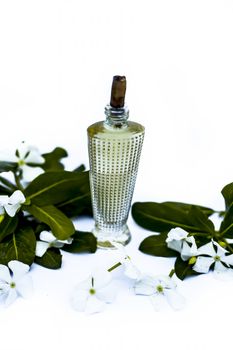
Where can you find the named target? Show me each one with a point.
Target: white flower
(92, 294)
(158, 288)
(203, 263)
(130, 270)
(178, 240)
(25, 156)
(48, 240)
(14, 281)
(11, 204)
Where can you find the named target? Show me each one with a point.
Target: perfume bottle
(114, 152)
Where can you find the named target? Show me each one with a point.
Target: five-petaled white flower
(92, 294)
(178, 240)
(130, 270)
(48, 240)
(25, 156)
(14, 281)
(158, 288)
(214, 256)
(11, 204)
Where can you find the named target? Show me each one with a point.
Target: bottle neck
(116, 117)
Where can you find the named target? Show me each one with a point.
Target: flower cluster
(92, 294)
(211, 254)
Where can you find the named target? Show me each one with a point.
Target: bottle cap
(118, 92)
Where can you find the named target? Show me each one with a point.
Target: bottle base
(107, 240)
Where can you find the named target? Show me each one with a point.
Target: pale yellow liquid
(114, 154)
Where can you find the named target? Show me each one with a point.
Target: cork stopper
(118, 92)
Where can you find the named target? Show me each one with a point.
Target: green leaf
(183, 269)
(156, 245)
(53, 160)
(57, 187)
(186, 207)
(20, 246)
(7, 166)
(60, 225)
(80, 168)
(6, 183)
(226, 228)
(227, 193)
(82, 242)
(199, 219)
(80, 204)
(52, 259)
(8, 226)
(4, 191)
(161, 217)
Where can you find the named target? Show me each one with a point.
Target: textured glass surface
(114, 157)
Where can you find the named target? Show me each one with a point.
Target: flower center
(159, 288)
(92, 291)
(12, 285)
(217, 258)
(21, 162)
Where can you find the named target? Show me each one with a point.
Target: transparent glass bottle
(114, 152)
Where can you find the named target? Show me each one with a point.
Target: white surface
(57, 59)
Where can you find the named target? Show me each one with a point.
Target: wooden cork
(118, 91)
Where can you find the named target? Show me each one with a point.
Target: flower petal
(4, 200)
(101, 279)
(11, 297)
(18, 268)
(175, 300)
(94, 305)
(220, 250)
(47, 236)
(228, 259)
(175, 245)
(79, 299)
(164, 280)
(17, 198)
(30, 173)
(207, 249)
(5, 274)
(157, 300)
(11, 209)
(132, 271)
(34, 156)
(85, 284)
(22, 149)
(203, 264)
(107, 294)
(2, 211)
(188, 251)
(176, 234)
(41, 248)
(25, 287)
(145, 286)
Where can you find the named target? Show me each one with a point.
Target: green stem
(171, 273)
(114, 267)
(18, 183)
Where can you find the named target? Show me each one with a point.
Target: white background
(57, 59)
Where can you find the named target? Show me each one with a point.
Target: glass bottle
(114, 152)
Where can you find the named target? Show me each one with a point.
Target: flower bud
(222, 244)
(192, 260)
(1, 218)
